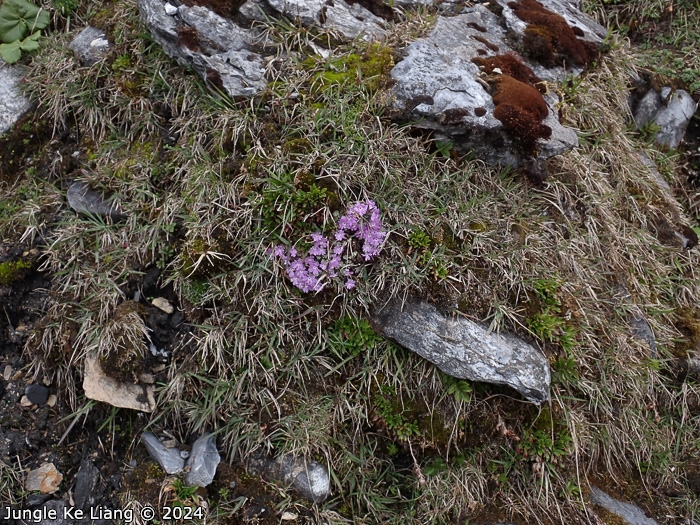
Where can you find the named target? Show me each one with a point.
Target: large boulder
(466, 350)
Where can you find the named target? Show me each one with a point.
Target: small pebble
(17, 375)
(163, 304)
(46, 479)
(170, 9)
(51, 401)
(37, 393)
(7, 373)
(25, 402)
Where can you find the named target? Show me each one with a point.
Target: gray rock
(13, 103)
(692, 366)
(350, 21)
(353, 21)
(670, 111)
(437, 80)
(673, 119)
(643, 332)
(254, 10)
(85, 483)
(37, 394)
(87, 201)
(202, 462)
(657, 178)
(308, 12)
(222, 52)
(647, 108)
(466, 350)
(90, 46)
(168, 458)
(631, 514)
(308, 477)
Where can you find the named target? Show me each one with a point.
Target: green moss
(298, 146)
(144, 482)
(202, 260)
(369, 68)
(12, 271)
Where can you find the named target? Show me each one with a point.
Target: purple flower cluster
(325, 258)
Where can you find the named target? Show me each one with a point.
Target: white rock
(170, 9)
(163, 304)
(202, 462)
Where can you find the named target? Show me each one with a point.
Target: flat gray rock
(168, 458)
(90, 46)
(308, 477)
(631, 514)
(221, 52)
(466, 350)
(88, 201)
(202, 462)
(13, 103)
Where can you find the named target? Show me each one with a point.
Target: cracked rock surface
(466, 350)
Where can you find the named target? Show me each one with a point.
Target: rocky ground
(147, 282)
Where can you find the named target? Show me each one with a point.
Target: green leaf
(10, 53)
(31, 43)
(18, 17)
